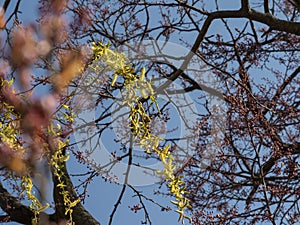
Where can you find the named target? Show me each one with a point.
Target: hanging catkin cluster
(135, 89)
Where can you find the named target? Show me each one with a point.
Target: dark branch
(15, 210)
(80, 214)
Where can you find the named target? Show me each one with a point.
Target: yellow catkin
(137, 87)
(57, 162)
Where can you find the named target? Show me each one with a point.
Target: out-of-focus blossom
(71, 66)
(24, 47)
(4, 67)
(2, 18)
(54, 29)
